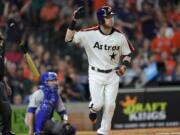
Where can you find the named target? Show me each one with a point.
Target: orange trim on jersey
(117, 30)
(131, 46)
(90, 28)
(129, 43)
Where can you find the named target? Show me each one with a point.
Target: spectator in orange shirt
(99, 3)
(176, 14)
(161, 43)
(50, 11)
(169, 63)
(176, 39)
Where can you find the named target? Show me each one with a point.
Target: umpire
(5, 91)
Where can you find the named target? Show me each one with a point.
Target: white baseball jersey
(103, 51)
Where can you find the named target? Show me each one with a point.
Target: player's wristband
(72, 25)
(126, 63)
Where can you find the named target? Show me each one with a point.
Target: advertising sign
(150, 108)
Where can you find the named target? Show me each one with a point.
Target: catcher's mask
(47, 76)
(103, 12)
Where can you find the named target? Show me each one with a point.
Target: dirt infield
(150, 131)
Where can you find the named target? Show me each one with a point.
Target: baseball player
(5, 91)
(104, 46)
(42, 104)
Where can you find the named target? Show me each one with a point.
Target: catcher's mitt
(68, 129)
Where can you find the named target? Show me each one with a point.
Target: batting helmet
(47, 76)
(104, 12)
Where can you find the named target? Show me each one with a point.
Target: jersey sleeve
(35, 100)
(60, 106)
(126, 47)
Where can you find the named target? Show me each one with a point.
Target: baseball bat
(30, 62)
(31, 65)
(27, 57)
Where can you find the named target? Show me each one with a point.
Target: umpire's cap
(103, 12)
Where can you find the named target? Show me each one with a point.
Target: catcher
(41, 107)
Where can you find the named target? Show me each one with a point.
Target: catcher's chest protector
(47, 107)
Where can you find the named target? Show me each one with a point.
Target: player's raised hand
(78, 13)
(121, 70)
(13, 31)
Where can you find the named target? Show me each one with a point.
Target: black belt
(101, 70)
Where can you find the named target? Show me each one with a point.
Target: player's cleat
(92, 117)
(100, 134)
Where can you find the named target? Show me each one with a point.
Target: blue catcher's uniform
(46, 108)
(45, 101)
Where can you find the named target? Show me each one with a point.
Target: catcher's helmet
(104, 12)
(47, 76)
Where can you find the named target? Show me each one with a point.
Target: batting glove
(78, 13)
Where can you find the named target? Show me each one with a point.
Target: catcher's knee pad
(94, 107)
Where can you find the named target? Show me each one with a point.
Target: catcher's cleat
(92, 117)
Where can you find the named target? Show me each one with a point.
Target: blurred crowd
(153, 27)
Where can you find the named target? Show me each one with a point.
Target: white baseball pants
(103, 90)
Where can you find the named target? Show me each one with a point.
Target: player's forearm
(69, 35)
(70, 31)
(31, 118)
